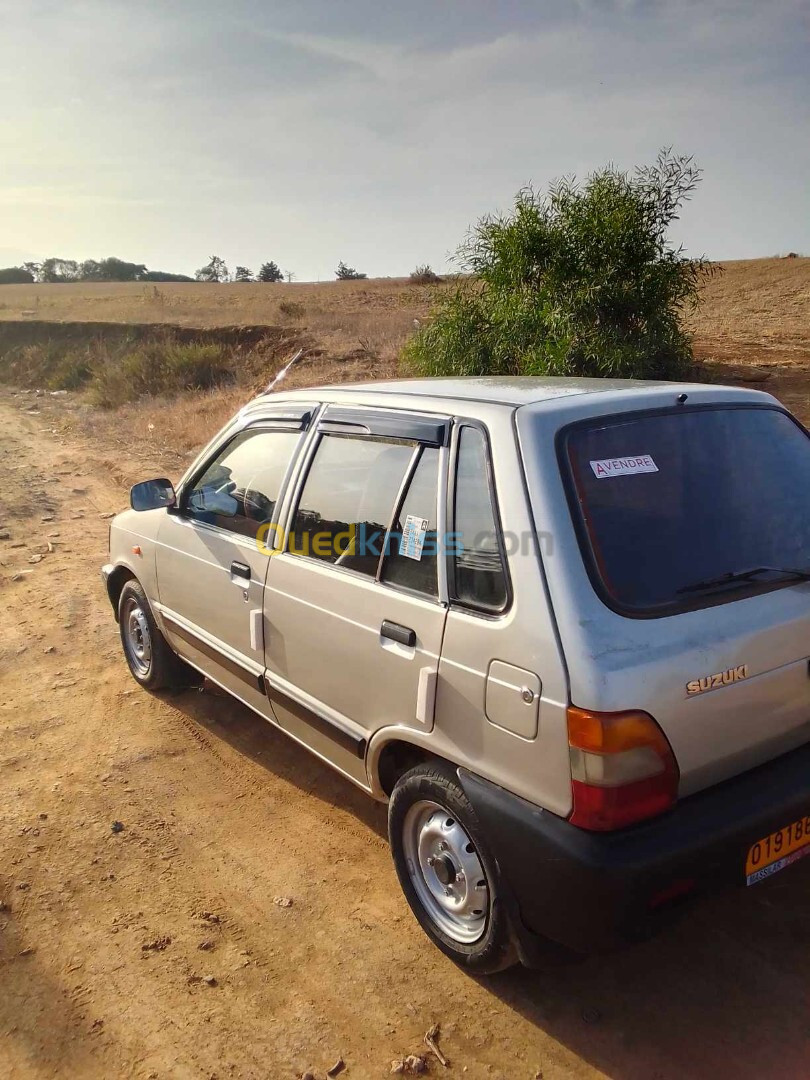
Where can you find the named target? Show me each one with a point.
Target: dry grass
(173, 429)
(757, 306)
(754, 324)
(757, 311)
(194, 304)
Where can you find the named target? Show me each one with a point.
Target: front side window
(680, 508)
(239, 489)
(348, 500)
(479, 572)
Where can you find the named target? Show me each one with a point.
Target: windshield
(677, 508)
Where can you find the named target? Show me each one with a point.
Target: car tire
(149, 657)
(449, 878)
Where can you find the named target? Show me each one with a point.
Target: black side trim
(397, 425)
(356, 744)
(233, 666)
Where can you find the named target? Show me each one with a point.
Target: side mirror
(152, 494)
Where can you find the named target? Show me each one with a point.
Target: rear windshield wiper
(736, 576)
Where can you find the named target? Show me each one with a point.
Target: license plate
(780, 849)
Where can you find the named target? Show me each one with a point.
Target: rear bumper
(592, 891)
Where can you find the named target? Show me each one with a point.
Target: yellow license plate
(780, 849)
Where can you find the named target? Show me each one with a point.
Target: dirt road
(161, 950)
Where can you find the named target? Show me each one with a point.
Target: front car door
(213, 552)
(355, 604)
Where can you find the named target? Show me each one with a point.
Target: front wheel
(448, 877)
(150, 659)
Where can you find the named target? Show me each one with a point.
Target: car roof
(512, 390)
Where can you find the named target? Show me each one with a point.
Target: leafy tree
(243, 274)
(348, 273)
(54, 269)
(15, 275)
(579, 281)
(162, 275)
(33, 268)
(424, 275)
(111, 269)
(215, 270)
(90, 270)
(270, 272)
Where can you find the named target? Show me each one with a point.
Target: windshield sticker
(413, 537)
(623, 466)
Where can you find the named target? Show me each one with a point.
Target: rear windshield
(673, 506)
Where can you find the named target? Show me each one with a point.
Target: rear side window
(410, 560)
(239, 489)
(479, 574)
(348, 500)
(673, 507)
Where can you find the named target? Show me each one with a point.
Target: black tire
(437, 783)
(162, 669)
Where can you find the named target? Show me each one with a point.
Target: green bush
(579, 281)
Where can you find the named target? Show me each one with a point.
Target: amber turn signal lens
(622, 769)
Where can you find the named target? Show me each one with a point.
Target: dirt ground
(163, 950)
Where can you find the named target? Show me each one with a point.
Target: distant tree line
(216, 270)
(56, 270)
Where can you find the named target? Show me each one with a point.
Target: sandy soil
(107, 939)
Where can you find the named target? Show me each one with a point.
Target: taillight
(622, 769)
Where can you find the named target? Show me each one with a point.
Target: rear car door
(213, 552)
(354, 605)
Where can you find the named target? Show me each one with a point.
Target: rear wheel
(150, 659)
(448, 877)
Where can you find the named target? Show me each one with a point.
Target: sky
(377, 133)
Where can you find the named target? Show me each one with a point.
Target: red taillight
(622, 769)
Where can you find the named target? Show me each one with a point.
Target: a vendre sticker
(623, 466)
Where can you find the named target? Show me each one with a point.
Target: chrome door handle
(242, 570)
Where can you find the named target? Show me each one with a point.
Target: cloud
(313, 131)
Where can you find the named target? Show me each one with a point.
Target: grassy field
(753, 326)
(758, 307)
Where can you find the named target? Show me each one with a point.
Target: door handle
(397, 632)
(240, 569)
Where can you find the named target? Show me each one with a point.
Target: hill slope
(755, 311)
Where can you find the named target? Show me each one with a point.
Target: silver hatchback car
(561, 626)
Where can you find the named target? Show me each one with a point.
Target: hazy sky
(308, 131)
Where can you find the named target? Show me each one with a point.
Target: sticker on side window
(623, 466)
(413, 537)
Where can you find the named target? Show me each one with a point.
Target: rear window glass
(411, 559)
(348, 500)
(670, 504)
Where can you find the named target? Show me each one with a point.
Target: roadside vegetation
(114, 373)
(579, 280)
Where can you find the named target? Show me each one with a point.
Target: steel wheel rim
(446, 872)
(137, 638)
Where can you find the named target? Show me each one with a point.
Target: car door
(355, 603)
(213, 552)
